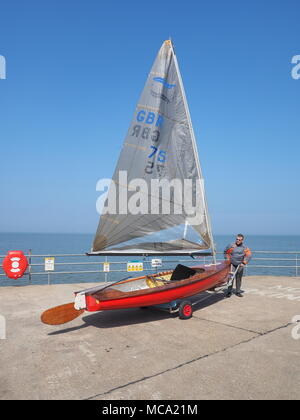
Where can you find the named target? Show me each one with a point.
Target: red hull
(165, 294)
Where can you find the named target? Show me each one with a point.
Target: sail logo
(2, 67)
(157, 197)
(164, 82)
(161, 94)
(296, 69)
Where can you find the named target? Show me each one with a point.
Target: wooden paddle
(60, 314)
(65, 313)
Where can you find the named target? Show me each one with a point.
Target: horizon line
(93, 233)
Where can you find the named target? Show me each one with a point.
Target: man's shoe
(228, 295)
(239, 294)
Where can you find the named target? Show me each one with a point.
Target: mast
(208, 223)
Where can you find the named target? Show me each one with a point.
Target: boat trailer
(184, 307)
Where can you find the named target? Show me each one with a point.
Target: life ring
(15, 264)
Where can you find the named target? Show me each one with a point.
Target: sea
(271, 255)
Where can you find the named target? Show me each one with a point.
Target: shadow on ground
(126, 317)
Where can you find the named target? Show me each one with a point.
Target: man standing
(238, 254)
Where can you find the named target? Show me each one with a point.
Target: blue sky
(75, 70)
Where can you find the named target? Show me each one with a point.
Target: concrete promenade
(237, 348)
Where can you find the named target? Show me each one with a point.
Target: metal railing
(66, 270)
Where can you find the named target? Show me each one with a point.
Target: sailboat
(156, 205)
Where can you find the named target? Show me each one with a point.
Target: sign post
(106, 267)
(49, 266)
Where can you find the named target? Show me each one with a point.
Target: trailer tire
(185, 310)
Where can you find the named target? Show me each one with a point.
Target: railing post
(105, 274)
(296, 265)
(29, 268)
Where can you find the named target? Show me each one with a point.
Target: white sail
(157, 189)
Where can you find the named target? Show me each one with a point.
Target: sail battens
(159, 152)
(136, 146)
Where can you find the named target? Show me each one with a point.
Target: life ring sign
(15, 264)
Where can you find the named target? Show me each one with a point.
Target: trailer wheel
(185, 310)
